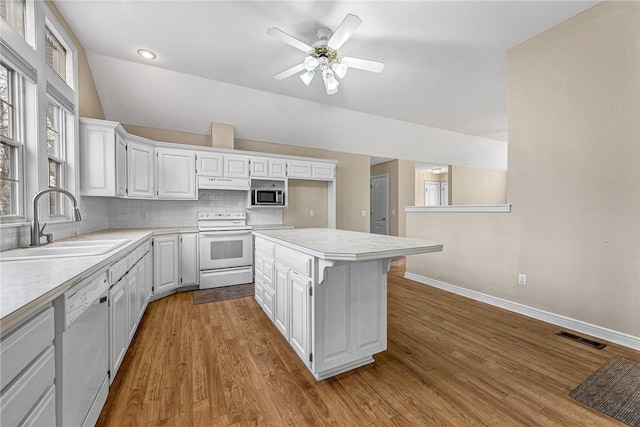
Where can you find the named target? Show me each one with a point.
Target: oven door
(225, 249)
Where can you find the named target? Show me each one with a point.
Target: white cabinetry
(140, 170)
(263, 167)
(27, 370)
(210, 164)
(281, 313)
(102, 159)
(299, 169)
(302, 169)
(298, 288)
(166, 263)
(236, 166)
(176, 174)
(131, 290)
(323, 171)
(118, 325)
(189, 265)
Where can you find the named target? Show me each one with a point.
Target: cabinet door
(189, 259)
(97, 165)
(118, 326)
(176, 174)
(281, 314)
(148, 277)
(298, 169)
(323, 171)
(210, 164)
(299, 286)
(165, 260)
(121, 165)
(258, 167)
(277, 168)
(131, 291)
(236, 166)
(140, 170)
(142, 287)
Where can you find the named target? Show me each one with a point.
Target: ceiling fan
(322, 56)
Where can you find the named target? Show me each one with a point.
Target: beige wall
(472, 186)
(422, 176)
(573, 180)
(352, 192)
(401, 191)
(88, 103)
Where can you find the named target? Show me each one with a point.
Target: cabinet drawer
(298, 261)
(23, 345)
(267, 303)
(17, 400)
(265, 246)
(44, 414)
(117, 270)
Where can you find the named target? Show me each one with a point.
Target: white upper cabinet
(323, 171)
(236, 166)
(140, 170)
(210, 164)
(98, 165)
(121, 165)
(299, 169)
(176, 174)
(263, 167)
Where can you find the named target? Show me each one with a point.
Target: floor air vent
(594, 344)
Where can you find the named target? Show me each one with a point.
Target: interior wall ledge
(506, 208)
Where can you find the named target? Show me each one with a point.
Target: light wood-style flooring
(450, 361)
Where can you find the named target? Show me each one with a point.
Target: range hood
(215, 183)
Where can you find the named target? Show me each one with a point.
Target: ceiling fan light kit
(323, 55)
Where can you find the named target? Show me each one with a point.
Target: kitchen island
(326, 292)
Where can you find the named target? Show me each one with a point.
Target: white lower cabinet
(27, 371)
(147, 287)
(189, 265)
(118, 326)
(281, 314)
(131, 290)
(298, 288)
(166, 263)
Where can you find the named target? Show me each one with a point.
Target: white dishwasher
(82, 349)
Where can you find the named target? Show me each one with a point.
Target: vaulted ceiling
(445, 68)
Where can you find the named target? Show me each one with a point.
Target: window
(56, 55)
(10, 146)
(13, 11)
(56, 155)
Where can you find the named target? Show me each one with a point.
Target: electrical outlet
(364, 213)
(522, 279)
(312, 212)
(393, 211)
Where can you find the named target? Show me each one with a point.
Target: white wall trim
(460, 208)
(610, 335)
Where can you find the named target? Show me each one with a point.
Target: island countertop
(344, 245)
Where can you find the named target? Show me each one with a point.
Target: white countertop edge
(365, 256)
(506, 208)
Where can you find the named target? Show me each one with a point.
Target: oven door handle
(225, 233)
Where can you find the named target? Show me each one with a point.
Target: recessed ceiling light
(147, 54)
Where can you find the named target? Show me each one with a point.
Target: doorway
(379, 185)
(432, 193)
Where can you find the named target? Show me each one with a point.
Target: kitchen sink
(75, 248)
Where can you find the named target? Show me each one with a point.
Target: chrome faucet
(36, 231)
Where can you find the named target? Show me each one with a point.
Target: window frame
(59, 157)
(17, 143)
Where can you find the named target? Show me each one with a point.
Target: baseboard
(610, 335)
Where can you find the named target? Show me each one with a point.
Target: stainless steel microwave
(267, 197)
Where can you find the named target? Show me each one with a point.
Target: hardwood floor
(450, 361)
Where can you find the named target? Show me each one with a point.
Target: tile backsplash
(99, 213)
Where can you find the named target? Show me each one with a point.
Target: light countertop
(27, 285)
(332, 244)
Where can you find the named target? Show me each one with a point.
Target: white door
(277, 168)
(165, 261)
(444, 193)
(259, 166)
(131, 289)
(176, 174)
(189, 271)
(140, 170)
(118, 326)
(121, 166)
(323, 171)
(236, 167)
(298, 314)
(209, 164)
(380, 204)
(148, 277)
(281, 314)
(431, 193)
(299, 169)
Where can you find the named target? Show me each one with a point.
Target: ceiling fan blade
(289, 72)
(363, 64)
(290, 40)
(347, 27)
